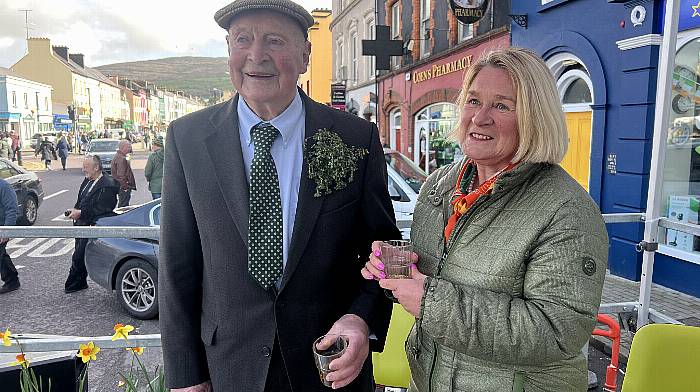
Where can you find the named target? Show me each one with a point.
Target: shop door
(577, 160)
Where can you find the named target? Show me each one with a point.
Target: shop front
(9, 122)
(418, 103)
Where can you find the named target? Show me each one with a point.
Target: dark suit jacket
(216, 321)
(98, 202)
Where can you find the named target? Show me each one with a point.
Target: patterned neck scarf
(465, 195)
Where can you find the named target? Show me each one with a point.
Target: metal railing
(40, 343)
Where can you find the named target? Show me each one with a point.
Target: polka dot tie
(265, 224)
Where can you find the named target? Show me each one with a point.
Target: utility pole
(26, 20)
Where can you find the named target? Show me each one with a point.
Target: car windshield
(104, 145)
(409, 171)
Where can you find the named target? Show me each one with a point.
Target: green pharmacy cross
(382, 47)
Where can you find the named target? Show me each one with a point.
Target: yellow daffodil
(88, 352)
(121, 384)
(136, 350)
(121, 331)
(5, 338)
(21, 360)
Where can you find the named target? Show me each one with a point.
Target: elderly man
(97, 197)
(121, 170)
(260, 241)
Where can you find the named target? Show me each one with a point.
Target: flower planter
(62, 367)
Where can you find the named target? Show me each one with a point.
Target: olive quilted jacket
(512, 298)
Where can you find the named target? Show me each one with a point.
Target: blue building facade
(612, 48)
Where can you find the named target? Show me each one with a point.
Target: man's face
(90, 169)
(125, 147)
(267, 53)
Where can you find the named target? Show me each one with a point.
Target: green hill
(194, 75)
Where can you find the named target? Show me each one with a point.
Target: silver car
(106, 149)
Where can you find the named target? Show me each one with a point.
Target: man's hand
(203, 387)
(346, 368)
(74, 214)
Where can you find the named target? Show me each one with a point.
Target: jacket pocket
(207, 331)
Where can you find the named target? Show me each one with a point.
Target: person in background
(97, 198)
(511, 250)
(15, 145)
(5, 146)
(47, 150)
(154, 168)
(62, 147)
(121, 170)
(8, 217)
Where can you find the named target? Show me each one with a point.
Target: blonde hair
(541, 125)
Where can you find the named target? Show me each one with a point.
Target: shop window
(432, 126)
(14, 99)
(681, 175)
(353, 57)
(394, 128)
(369, 60)
(26, 101)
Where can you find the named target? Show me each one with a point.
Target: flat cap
(224, 16)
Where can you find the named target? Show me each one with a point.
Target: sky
(114, 31)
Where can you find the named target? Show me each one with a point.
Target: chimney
(61, 51)
(78, 59)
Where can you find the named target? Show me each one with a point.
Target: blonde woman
(511, 250)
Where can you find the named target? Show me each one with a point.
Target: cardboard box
(683, 209)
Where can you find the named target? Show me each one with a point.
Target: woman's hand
(374, 267)
(409, 292)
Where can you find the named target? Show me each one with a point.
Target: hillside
(193, 75)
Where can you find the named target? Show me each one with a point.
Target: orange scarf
(464, 197)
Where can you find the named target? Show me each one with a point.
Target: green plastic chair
(391, 365)
(664, 358)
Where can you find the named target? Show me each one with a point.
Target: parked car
(130, 266)
(37, 137)
(405, 179)
(106, 149)
(27, 185)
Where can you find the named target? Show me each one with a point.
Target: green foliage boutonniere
(332, 163)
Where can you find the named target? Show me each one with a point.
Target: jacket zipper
(446, 251)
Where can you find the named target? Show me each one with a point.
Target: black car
(27, 185)
(128, 266)
(106, 149)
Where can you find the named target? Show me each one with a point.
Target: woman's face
(488, 123)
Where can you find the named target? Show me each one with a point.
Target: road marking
(55, 194)
(19, 267)
(61, 218)
(38, 247)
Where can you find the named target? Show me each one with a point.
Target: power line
(26, 20)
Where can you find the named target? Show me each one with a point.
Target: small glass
(396, 257)
(324, 358)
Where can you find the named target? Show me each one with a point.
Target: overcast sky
(111, 31)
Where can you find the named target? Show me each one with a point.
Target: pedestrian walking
(121, 170)
(97, 197)
(147, 139)
(14, 145)
(5, 146)
(83, 142)
(48, 152)
(154, 168)
(62, 147)
(8, 217)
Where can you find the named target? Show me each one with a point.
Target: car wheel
(29, 212)
(137, 286)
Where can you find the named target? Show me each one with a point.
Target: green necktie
(265, 224)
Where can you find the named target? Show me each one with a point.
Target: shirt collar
(286, 122)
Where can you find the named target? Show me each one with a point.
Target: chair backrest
(391, 365)
(664, 357)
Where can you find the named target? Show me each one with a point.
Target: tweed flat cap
(224, 16)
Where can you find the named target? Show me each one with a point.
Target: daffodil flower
(5, 337)
(121, 384)
(135, 350)
(21, 360)
(87, 352)
(121, 331)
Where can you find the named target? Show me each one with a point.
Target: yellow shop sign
(438, 70)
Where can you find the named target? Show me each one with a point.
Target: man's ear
(306, 55)
(228, 47)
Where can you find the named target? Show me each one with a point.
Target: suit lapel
(308, 206)
(224, 148)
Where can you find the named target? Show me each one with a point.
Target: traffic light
(71, 113)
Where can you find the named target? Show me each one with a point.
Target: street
(41, 307)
